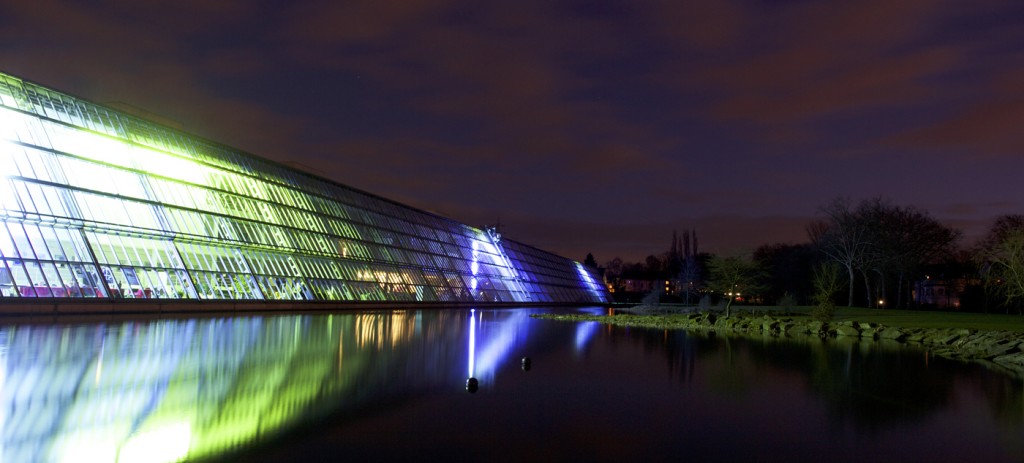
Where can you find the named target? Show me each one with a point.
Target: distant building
(631, 285)
(97, 203)
(939, 292)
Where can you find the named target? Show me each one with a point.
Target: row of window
(52, 201)
(34, 132)
(36, 199)
(104, 209)
(33, 279)
(41, 261)
(73, 164)
(71, 112)
(132, 185)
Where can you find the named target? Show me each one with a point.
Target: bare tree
(882, 242)
(909, 240)
(689, 277)
(689, 273)
(1002, 256)
(1000, 230)
(614, 267)
(843, 237)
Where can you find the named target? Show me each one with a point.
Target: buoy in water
(472, 385)
(526, 363)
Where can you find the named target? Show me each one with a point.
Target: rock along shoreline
(1003, 350)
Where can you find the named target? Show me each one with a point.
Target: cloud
(982, 116)
(759, 97)
(721, 234)
(987, 128)
(508, 77)
(571, 115)
(131, 54)
(360, 20)
(702, 25)
(813, 59)
(979, 209)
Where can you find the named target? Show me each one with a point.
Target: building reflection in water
(169, 390)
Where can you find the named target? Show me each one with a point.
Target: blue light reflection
(497, 340)
(472, 343)
(584, 332)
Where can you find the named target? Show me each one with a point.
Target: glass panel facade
(101, 204)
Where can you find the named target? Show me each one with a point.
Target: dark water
(391, 386)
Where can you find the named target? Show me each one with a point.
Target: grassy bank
(993, 339)
(927, 319)
(888, 317)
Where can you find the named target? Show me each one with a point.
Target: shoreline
(1002, 350)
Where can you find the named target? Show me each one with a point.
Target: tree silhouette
(733, 276)
(1002, 255)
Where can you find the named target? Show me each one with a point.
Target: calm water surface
(392, 386)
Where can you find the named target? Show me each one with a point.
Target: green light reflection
(180, 390)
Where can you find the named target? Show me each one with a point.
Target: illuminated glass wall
(96, 203)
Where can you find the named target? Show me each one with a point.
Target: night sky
(583, 126)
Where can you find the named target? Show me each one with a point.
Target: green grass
(913, 318)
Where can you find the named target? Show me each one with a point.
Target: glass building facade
(97, 203)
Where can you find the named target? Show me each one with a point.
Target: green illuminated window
(175, 216)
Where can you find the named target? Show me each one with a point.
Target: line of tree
(882, 250)
(682, 264)
(884, 243)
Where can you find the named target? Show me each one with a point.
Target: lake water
(392, 386)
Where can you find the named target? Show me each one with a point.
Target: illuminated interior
(97, 203)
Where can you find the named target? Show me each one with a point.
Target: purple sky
(585, 126)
